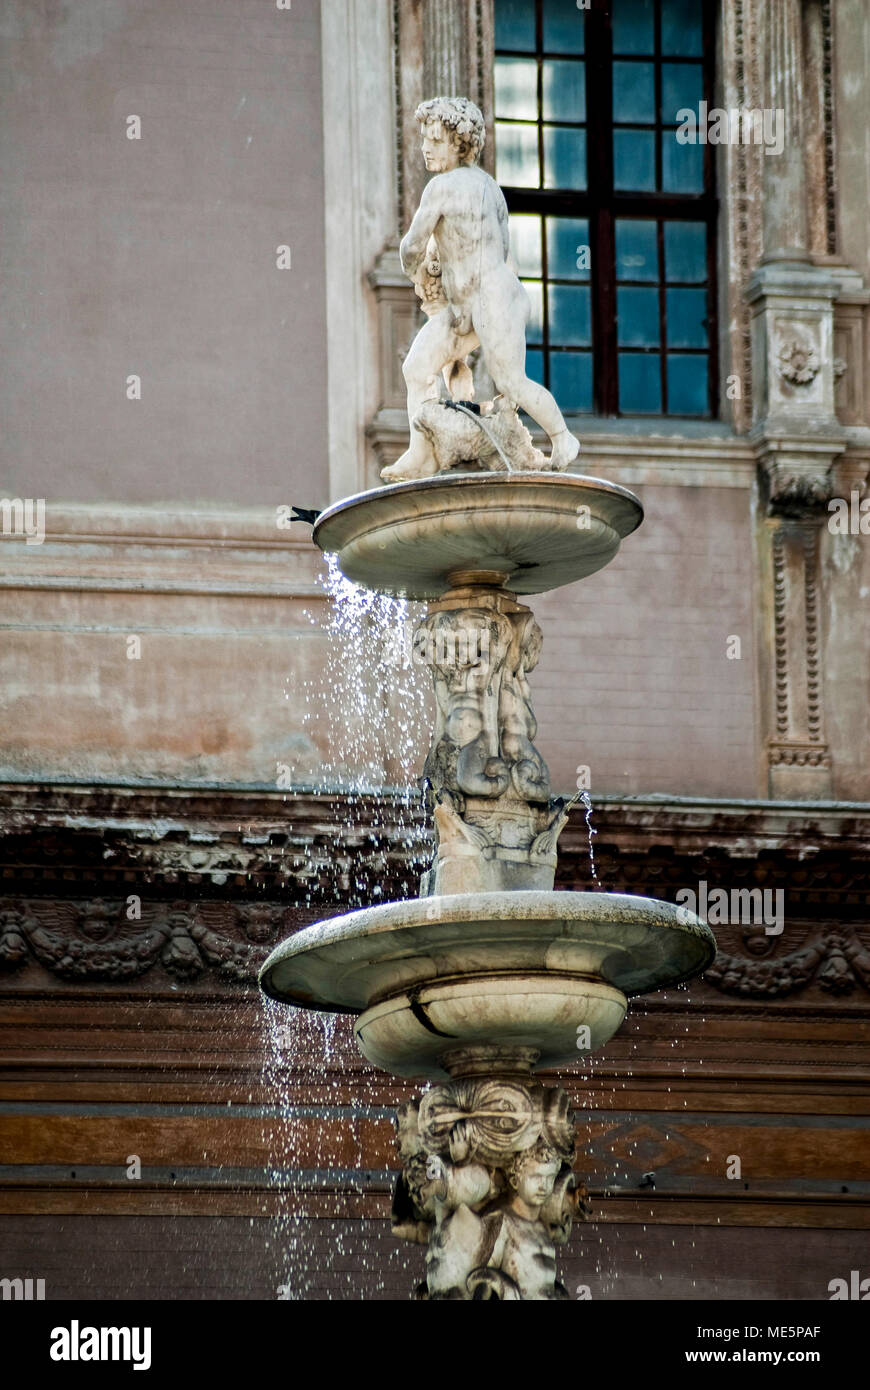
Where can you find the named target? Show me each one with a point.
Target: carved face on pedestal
(533, 1178)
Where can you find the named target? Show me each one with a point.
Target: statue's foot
(408, 467)
(566, 447)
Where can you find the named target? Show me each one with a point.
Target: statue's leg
(505, 354)
(435, 345)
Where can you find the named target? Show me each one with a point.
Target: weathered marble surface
(420, 972)
(530, 531)
(486, 1182)
(457, 253)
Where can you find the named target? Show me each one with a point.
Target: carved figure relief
(487, 1184)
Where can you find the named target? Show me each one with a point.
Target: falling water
(590, 831)
(363, 711)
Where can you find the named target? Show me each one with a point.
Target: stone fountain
(489, 975)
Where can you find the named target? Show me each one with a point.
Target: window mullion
(599, 144)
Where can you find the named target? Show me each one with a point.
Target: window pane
(571, 379)
(686, 312)
(570, 317)
(564, 25)
(685, 251)
(687, 385)
(525, 230)
(535, 364)
(564, 158)
(640, 387)
(515, 24)
(633, 26)
(634, 92)
(636, 250)
(564, 94)
(634, 163)
(681, 28)
(682, 165)
(535, 327)
(568, 244)
(637, 317)
(682, 87)
(516, 88)
(516, 155)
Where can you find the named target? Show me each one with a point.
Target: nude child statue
(460, 230)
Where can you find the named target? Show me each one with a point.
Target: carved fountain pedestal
(489, 975)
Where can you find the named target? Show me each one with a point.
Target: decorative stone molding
(792, 321)
(837, 961)
(487, 1184)
(95, 941)
(798, 756)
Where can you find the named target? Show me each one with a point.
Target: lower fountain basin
(529, 531)
(431, 975)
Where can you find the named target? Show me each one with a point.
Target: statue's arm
(412, 250)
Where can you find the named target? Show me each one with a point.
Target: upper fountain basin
(529, 531)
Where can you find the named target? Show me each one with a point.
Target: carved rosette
(486, 1183)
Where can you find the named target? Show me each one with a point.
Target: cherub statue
(457, 254)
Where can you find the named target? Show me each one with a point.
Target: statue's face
(440, 151)
(534, 1182)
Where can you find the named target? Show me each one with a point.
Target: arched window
(613, 218)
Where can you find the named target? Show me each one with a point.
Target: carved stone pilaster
(398, 320)
(486, 1183)
(798, 758)
(784, 207)
(792, 315)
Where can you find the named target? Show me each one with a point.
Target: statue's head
(453, 132)
(532, 1173)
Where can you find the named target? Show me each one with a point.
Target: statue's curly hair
(459, 115)
(540, 1152)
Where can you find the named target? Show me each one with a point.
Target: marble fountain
(490, 975)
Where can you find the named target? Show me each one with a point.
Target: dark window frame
(601, 204)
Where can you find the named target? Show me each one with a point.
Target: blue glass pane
(685, 251)
(687, 385)
(564, 158)
(568, 249)
(633, 26)
(571, 379)
(564, 26)
(564, 90)
(686, 318)
(637, 317)
(516, 89)
(634, 92)
(636, 250)
(535, 326)
(640, 387)
(535, 364)
(682, 89)
(515, 24)
(634, 160)
(516, 155)
(682, 165)
(525, 230)
(570, 315)
(682, 35)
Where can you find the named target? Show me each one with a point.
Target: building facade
(205, 323)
